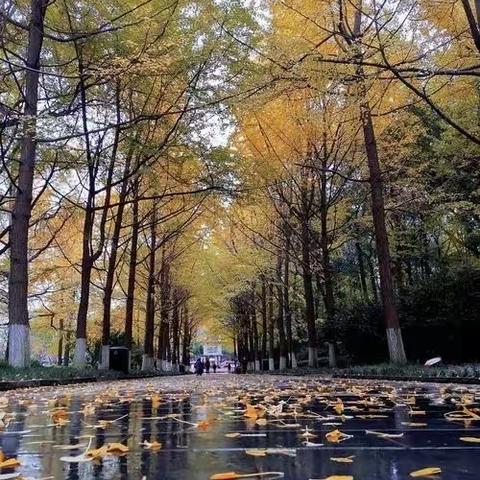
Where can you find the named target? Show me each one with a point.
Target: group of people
(201, 366)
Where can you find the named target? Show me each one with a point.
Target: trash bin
(119, 359)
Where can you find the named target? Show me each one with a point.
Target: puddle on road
(243, 424)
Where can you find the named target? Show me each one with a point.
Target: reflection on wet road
(190, 428)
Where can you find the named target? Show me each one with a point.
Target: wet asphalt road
(191, 417)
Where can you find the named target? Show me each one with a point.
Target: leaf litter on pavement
(319, 410)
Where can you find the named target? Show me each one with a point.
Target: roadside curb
(395, 378)
(52, 382)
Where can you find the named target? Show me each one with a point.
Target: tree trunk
(132, 270)
(89, 255)
(86, 269)
(361, 269)
(264, 323)
(112, 265)
(282, 344)
(186, 340)
(270, 320)
(394, 334)
(175, 319)
(60, 343)
(328, 290)
(286, 303)
(165, 304)
(66, 355)
(19, 328)
(373, 278)
(147, 360)
(309, 298)
(255, 332)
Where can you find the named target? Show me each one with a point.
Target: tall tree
(19, 328)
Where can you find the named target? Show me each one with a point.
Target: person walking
(199, 367)
(244, 365)
(229, 367)
(214, 366)
(207, 365)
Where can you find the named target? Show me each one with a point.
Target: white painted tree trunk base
(105, 357)
(251, 366)
(294, 361)
(283, 363)
(332, 357)
(257, 365)
(187, 368)
(19, 346)
(395, 346)
(271, 364)
(80, 355)
(312, 357)
(147, 362)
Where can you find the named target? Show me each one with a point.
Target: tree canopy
(289, 178)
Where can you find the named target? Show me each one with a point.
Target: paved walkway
(193, 428)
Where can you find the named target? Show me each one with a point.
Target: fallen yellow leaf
(425, 472)
(224, 476)
(97, 452)
(60, 417)
(384, 435)
(339, 477)
(343, 459)
(256, 452)
(253, 412)
(117, 448)
(336, 436)
(152, 445)
(338, 407)
(307, 434)
(10, 463)
(156, 401)
(470, 439)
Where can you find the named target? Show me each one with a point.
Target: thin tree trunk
(282, 344)
(112, 265)
(175, 319)
(90, 256)
(286, 302)
(60, 342)
(165, 304)
(270, 326)
(394, 334)
(186, 340)
(255, 331)
(373, 278)
(66, 355)
(328, 298)
(309, 298)
(19, 328)
(264, 322)
(132, 270)
(147, 360)
(361, 269)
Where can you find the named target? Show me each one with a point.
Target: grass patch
(413, 371)
(385, 370)
(11, 374)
